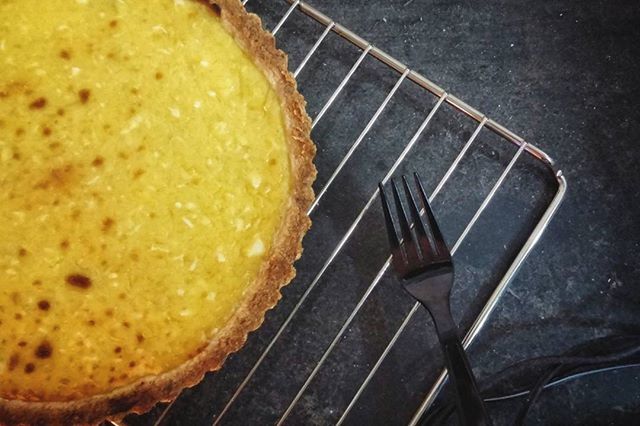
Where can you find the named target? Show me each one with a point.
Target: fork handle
(470, 405)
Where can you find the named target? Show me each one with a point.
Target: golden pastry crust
(275, 272)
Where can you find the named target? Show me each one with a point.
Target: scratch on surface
(513, 294)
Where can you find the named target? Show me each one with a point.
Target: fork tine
(394, 240)
(419, 225)
(402, 216)
(409, 242)
(398, 254)
(441, 245)
(426, 248)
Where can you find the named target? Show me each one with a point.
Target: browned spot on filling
(109, 312)
(46, 131)
(38, 103)
(22, 343)
(64, 54)
(44, 305)
(79, 280)
(19, 131)
(134, 91)
(113, 23)
(117, 349)
(159, 76)
(22, 252)
(98, 161)
(14, 360)
(44, 350)
(122, 155)
(64, 245)
(140, 337)
(75, 214)
(16, 155)
(126, 324)
(58, 177)
(18, 316)
(84, 95)
(54, 145)
(107, 224)
(15, 297)
(138, 173)
(60, 112)
(132, 364)
(29, 368)
(37, 283)
(91, 323)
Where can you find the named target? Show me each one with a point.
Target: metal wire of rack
(442, 97)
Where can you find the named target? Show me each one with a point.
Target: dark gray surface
(562, 74)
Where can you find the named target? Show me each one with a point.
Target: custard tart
(155, 174)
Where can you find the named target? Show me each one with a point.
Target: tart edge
(276, 271)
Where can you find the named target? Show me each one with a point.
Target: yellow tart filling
(144, 172)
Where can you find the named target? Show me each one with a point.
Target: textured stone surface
(561, 74)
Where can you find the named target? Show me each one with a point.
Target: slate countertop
(565, 76)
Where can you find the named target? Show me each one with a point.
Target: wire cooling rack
(335, 353)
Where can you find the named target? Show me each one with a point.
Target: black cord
(526, 367)
(563, 380)
(442, 412)
(607, 353)
(535, 393)
(572, 362)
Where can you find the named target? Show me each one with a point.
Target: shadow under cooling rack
(344, 344)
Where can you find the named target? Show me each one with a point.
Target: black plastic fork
(421, 257)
